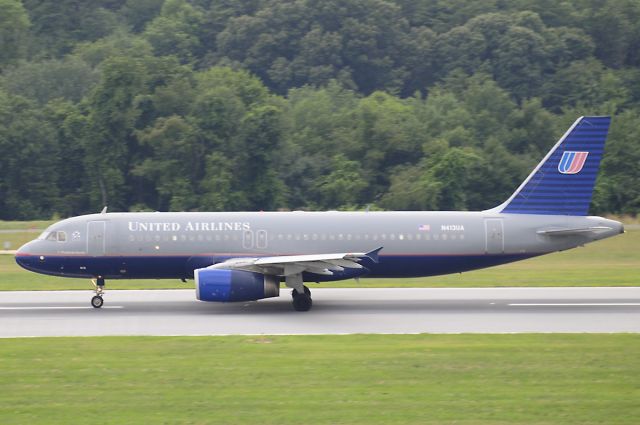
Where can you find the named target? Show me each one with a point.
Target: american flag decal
(424, 228)
(572, 162)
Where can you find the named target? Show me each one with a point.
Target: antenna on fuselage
(104, 210)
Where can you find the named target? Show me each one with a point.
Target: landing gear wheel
(97, 301)
(302, 302)
(294, 293)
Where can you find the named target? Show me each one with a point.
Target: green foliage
(14, 25)
(70, 79)
(306, 104)
(343, 184)
(175, 31)
(26, 137)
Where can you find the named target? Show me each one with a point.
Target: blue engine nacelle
(234, 285)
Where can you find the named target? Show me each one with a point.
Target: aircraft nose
(24, 250)
(24, 255)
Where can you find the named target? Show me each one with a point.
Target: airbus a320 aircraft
(243, 256)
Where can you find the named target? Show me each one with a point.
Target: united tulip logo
(572, 162)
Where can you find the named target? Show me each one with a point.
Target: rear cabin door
(96, 238)
(494, 231)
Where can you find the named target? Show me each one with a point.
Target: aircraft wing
(287, 265)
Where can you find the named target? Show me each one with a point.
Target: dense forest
(306, 104)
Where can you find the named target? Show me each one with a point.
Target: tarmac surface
(335, 311)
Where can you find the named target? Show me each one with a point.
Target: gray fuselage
(172, 245)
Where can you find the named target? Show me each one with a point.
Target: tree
(585, 84)
(175, 31)
(14, 26)
(28, 161)
(138, 13)
(170, 166)
(68, 79)
(110, 139)
(618, 186)
(388, 134)
(58, 25)
(262, 135)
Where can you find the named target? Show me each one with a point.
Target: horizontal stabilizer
(560, 231)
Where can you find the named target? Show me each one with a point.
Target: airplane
(244, 256)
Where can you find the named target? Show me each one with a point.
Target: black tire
(307, 292)
(97, 301)
(302, 302)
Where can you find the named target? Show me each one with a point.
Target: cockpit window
(55, 236)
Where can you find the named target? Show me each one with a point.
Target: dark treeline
(306, 104)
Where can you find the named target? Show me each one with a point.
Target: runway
(335, 311)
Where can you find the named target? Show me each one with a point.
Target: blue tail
(562, 184)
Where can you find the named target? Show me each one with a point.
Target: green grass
(359, 379)
(25, 225)
(612, 262)
(13, 241)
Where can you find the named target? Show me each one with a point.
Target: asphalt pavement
(335, 311)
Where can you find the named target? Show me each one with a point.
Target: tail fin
(562, 184)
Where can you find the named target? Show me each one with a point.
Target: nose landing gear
(97, 301)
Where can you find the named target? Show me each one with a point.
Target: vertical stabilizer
(562, 184)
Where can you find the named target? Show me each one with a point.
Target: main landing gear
(301, 294)
(302, 301)
(97, 301)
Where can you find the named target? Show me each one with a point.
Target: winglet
(373, 255)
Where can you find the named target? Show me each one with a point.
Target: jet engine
(234, 285)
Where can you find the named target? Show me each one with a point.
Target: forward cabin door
(96, 238)
(494, 231)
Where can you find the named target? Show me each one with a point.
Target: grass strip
(358, 379)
